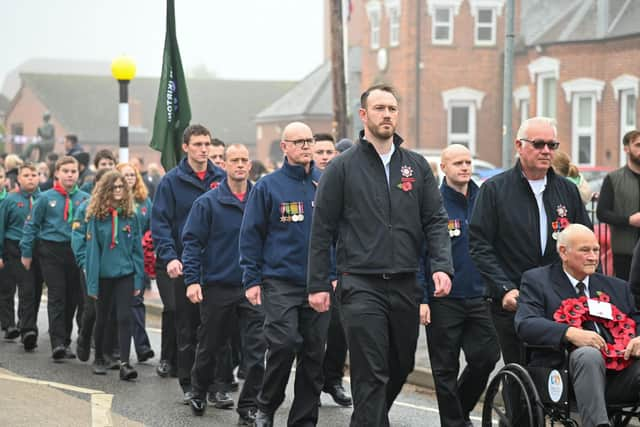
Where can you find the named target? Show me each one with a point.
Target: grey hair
(524, 127)
(567, 234)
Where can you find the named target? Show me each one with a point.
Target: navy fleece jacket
(210, 238)
(274, 240)
(176, 192)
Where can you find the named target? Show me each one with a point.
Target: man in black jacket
(381, 202)
(516, 221)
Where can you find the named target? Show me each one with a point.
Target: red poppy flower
(407, 186)
(603, 297)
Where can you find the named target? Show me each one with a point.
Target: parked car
(594, 175)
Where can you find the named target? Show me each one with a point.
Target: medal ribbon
(68, 206)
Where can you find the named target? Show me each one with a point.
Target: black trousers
(293, 330)
(381, 318)
(138, 312)
(512, 352)
(65, 295)
(28, 291)
(88, 314)
(7, 297)
(336, 353)
(221, 305)
(168, 345)
(622, 266)
(187, 323)
(460, 324)
(116, 293)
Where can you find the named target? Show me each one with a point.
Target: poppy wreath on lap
(149, 255)
(617, 331)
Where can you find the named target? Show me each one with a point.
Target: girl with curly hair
(113, 264)
(142, 208)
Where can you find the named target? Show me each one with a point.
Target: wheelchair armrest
(529, 348)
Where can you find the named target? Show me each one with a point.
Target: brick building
(577, 61)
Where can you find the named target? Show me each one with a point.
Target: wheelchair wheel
(527, 412)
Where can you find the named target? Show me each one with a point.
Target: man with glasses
(516, 221)
(274, 240)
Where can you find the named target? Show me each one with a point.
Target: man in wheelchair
(542, 292)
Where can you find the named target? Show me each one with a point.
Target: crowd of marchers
(344, 247)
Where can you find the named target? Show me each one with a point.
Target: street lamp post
(123, 69)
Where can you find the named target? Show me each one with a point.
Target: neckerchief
(68, 206)
(3, 194)
(114, 226)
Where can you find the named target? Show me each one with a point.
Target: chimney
(602, 24)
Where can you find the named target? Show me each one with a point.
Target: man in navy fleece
(214, 280)
(178, 189)
(274, 241)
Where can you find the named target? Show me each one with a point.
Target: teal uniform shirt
(47, 222)
(14, 211)
(101, 261)
(87, 187)
(143, 213)
(78, 233)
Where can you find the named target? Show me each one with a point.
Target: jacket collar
(26, 195)
(297, 172)
(563, 287)
(185, 171)
(397, 140)
(225, 196)
(450, 193)
(517, 170)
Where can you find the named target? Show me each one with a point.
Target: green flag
(173, 113)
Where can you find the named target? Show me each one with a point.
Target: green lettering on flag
(173, 113)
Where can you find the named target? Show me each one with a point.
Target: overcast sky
(241, 39)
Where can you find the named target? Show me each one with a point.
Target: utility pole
(507, 89)
(337, 71)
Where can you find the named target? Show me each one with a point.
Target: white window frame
(374, 12)
(543, 68)
(577, 132)
(463, 97)
(623, 86)
(491, 25)
(624, 127)
(454, 9)
(394, 13)
(575, 90)
(540, 95)
(469, 138)
(496, 7)
(522, 100)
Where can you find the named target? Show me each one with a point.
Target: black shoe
(58, 354)
(11, 333)
(145, 355)
(247, 418)
(68, 354)
(338, 394)
(29, 340)
(100, 367)
(82, 350)
(112, 363)
(198, 405)
(263, 419)
(186, 398)
(221, 400)
(163, 368)
(127, 372)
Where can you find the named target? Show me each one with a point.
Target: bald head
(297, 144)
(293, 129)
(455, 163)
(579, 250)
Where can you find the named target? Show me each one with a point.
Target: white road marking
(100, 401)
